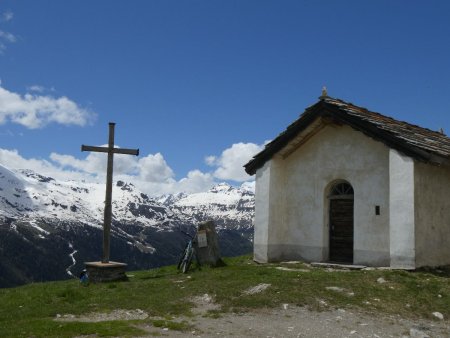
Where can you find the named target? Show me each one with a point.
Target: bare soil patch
(291, 321)
(103, 317)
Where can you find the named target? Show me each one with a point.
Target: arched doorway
(341, 223)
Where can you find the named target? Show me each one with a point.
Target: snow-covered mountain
(231, 207)
(48, 228)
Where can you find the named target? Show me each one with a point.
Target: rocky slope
(49, 228)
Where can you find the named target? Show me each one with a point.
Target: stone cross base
(99, 272)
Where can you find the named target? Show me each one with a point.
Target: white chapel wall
(261, 227)
(432, 215)
(402, 220)
(334, 153)
(268, 209)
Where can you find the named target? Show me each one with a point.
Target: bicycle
(185, 260)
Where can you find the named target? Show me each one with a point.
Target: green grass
(165, 294)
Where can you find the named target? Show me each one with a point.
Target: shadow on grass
(442, 271)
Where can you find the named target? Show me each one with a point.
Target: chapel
(347, 185)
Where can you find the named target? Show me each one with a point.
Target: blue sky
(199, 86)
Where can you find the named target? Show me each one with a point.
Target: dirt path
(300, 322)
(286, 321)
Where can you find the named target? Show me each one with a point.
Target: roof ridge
(385, 116)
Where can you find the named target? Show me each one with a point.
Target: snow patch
(72, 256)
(37, 227)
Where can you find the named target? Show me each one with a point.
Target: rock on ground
(438, 315)
(256, 289)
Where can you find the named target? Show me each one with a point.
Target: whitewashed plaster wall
(432, 215)
(300, 229)
(261, 224)
(402, 220)
(268, 211)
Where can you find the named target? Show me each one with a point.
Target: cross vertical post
(107, 217)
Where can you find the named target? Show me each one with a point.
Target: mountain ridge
(58, 224)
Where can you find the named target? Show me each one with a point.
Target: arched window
(341, 189)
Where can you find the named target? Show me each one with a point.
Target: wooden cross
(109, 176)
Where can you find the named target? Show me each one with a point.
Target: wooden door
(341, 230)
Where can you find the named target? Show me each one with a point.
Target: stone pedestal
(99, 272)
(207, 245)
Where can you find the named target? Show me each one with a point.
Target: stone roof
(422, 144)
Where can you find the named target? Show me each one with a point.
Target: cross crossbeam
(111, 150)
(106, 150)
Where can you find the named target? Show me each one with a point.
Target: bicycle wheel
(183, 255)
(187, 261)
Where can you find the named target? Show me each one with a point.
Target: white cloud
(40, 89)
(93, 164)
(230, 163)
(196, 181)
(7, 36)
(153, 168)
(36, 111)
(6, 16)
(96, 163)
(210, 160)
(151, 174)
(36, 88)
(13, 160)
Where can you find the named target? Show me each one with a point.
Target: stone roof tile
(420, 143)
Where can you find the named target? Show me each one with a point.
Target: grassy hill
(49, 309)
